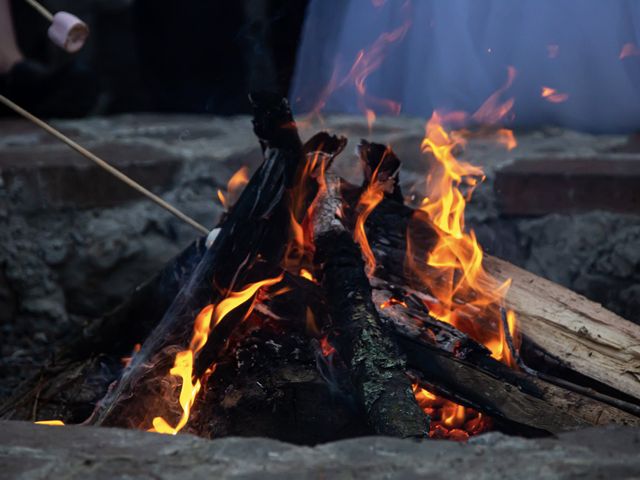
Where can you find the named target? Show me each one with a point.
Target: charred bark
(376, 368)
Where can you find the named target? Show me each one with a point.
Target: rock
(36, 452)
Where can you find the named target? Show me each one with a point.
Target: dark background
(174, 55)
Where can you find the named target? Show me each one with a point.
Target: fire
(367, 61)
(453, 268)
(55, 423)
(234, 187)
(448, 419)
(326, 347)
(127, 360)
(629, 50)
(553, 96)
(391, 302)
(205, 322)
(369, 200)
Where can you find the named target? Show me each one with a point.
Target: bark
(376, 368)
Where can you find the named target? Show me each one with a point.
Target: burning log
(376, 367)
(403, 319)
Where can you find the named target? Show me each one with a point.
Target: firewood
(376, 367)
(249, 248)
(457, 367)
(581, 334)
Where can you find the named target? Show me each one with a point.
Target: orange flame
(493, 110)
(369, 200)
(454, 265)
(234, 187)
(391, 302)
(127, 360)
(366, 62)
(208, 318)
(629, 50)
(553, 96)
(326, 347)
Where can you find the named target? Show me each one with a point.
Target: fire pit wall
(74, 242)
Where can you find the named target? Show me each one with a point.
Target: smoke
(456, 53)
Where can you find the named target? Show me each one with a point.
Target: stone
(33, 452)
(547, 185)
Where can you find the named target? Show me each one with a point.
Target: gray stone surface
(32, 452)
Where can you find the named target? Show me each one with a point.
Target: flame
(448, 419)
(55, 423)
(629, 50)
(493, 110)
(127, 360)
(453, 268)
(553, 96)
(304, 273)
(391, 302)
(369, 200)
(208, 318)
(234, 187)
(326, 347)
(366, 61)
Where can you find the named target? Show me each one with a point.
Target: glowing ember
(391, 302)
(206, 321)
(552, 95)
(326, 347)
(234, 187)
(448, 419)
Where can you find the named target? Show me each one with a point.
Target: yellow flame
(55, 423)
(457, 256)
(553, 96)
(234, 187)
(205, 322)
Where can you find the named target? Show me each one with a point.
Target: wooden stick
(41, 9)
(104, 165)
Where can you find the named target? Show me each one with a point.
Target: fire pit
(320, 310)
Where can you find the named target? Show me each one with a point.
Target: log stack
(334, 352)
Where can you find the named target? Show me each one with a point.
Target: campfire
(319, 310)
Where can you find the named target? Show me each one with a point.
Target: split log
(374, 362)
(455, 366)
(579, 334)
(582, 335)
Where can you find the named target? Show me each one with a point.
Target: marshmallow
(68, 32)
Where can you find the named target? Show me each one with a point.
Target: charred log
(376, 367)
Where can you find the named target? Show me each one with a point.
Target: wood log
(249, 247)
(460, 369)
(377, 369)
(579, 334)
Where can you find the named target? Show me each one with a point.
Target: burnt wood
(376, 367)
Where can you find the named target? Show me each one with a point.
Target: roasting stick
(104, 165)
(41, 9)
